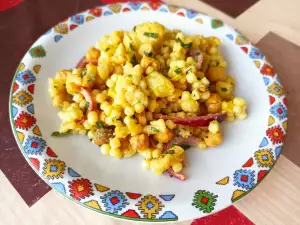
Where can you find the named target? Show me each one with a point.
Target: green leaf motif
(204, 201)
(37, 52)
(217, 23)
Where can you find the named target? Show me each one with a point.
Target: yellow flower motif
(22, 98)
(149, 206)
(53, 168)
(264, 158)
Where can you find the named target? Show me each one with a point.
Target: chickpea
(139, 142)
(213, 103)
(224, 89)
(215, 74)
(212, 139)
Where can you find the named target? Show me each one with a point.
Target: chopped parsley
(184, 146)
(83, 72)
(184, 45)
(87, 104)
(171, 152)
(154, 129)
(152, 35)
(178, 71)
(149, 54)
(55, 86)
(92, 79)
(100, 124)
(189, 70)
(198, 53)
(224, 89)
(131, 47)
(164, 45)
(107, 49)
(134, 60)
(58, 134)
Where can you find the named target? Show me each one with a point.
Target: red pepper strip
(88, 97)
(179, 176)
(82, 63)
(196, 121)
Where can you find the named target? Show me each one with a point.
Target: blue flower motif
(114, 201)
(26, 77)
(34, 145)
(256, 54)
(244, 178)
(191, 13)
(135, 5)
(79, 19)
(279, 110)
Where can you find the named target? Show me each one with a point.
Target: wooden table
(274, 25)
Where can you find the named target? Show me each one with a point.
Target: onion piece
(88, 97)
(178, 140)
(197, 56)
(82, 63)
(179, 176)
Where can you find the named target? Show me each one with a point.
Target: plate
(121, 188)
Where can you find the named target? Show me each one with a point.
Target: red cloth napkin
(6, 4)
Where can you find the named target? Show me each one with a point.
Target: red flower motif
(154, 5)
(25, 121)
(80, 188)
(267, 70)
(96, 12)
(275, 134)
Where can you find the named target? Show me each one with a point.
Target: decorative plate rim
(264, 157)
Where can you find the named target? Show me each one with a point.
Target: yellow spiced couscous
(148, 91)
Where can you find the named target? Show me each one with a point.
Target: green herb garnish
(184, 45)
(224, 89)
(184, 146)
(164, 45)
(87, 104)
(92, 79)
(198, 53)
(178, 71)
(58, 134)
(100, 124)
(107, 49)
(171, 152)
(152, 35)
(131, 47)
(149, 54)
(55, 86)
(83, 72)
(188, 70)
(134, 60)
(154, 129)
